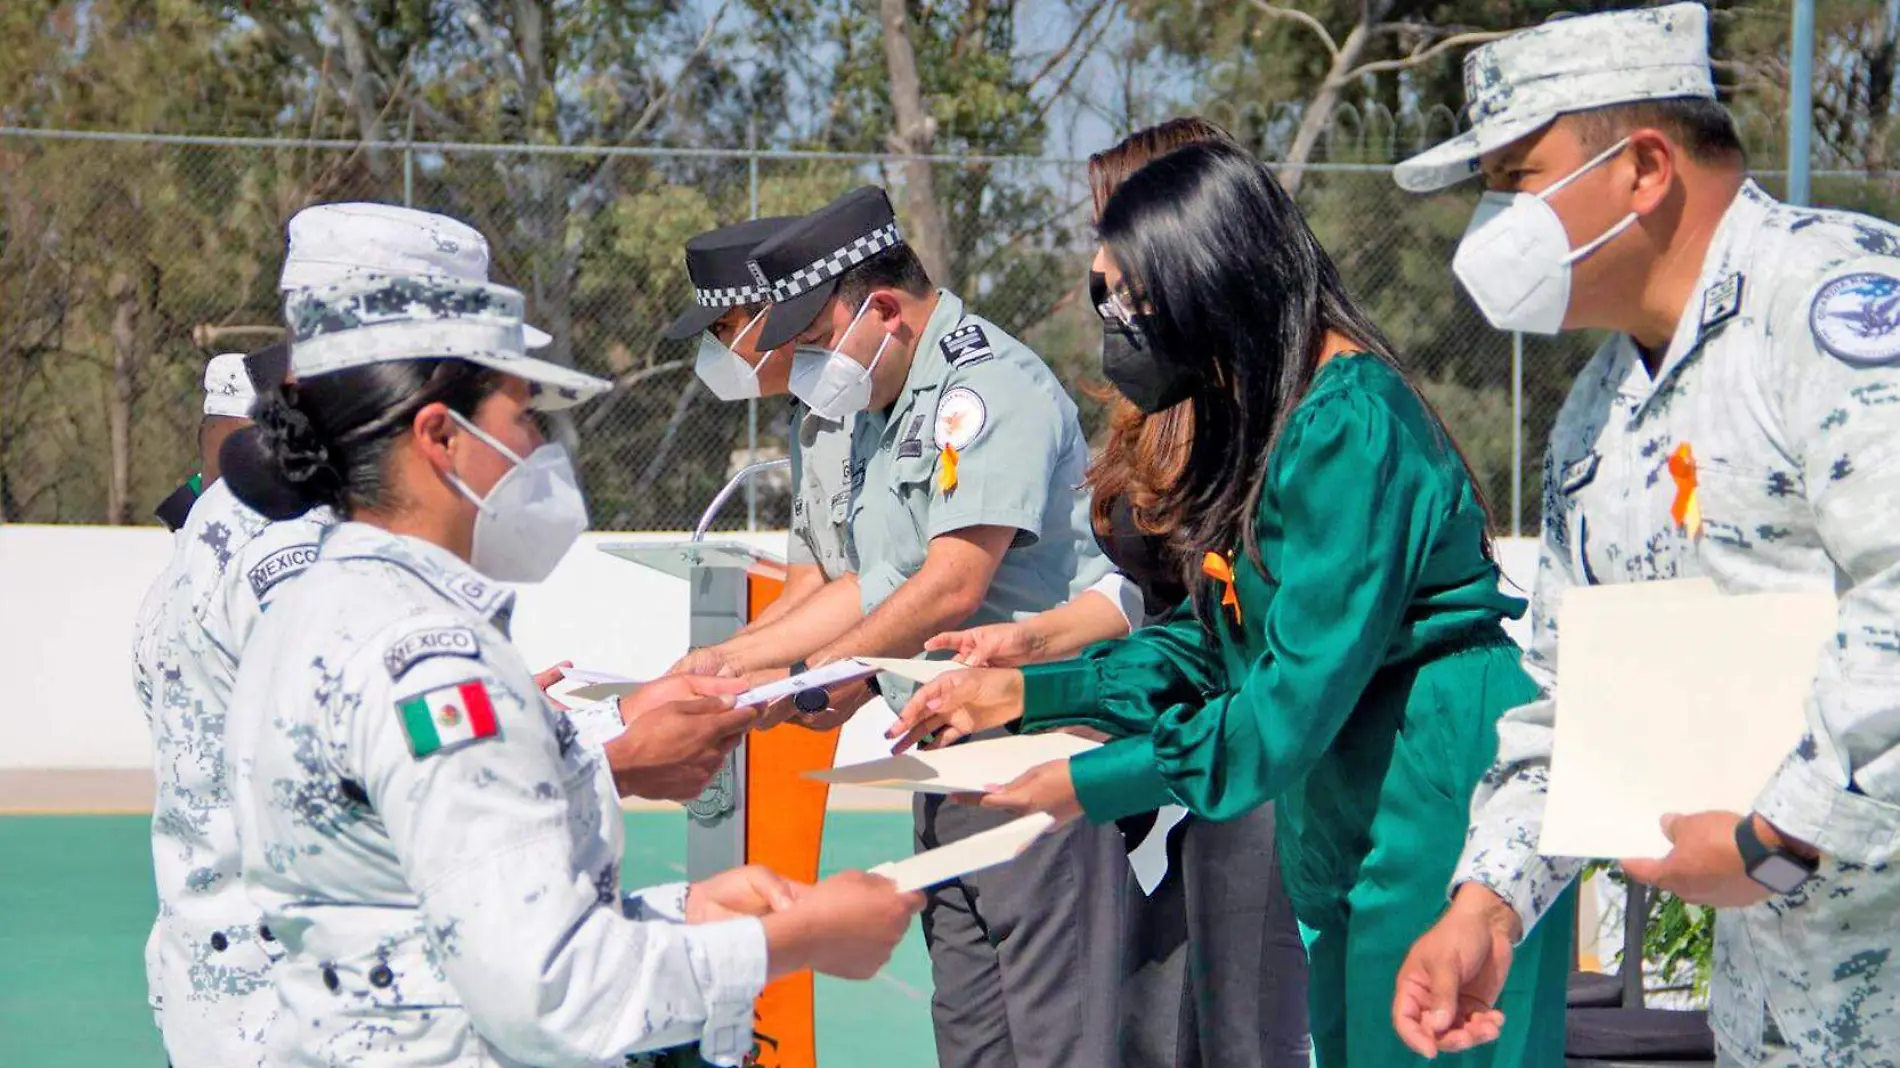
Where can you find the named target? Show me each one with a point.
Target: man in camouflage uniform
(208, 959)
(1739, 424)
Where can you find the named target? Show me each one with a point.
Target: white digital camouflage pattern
(822, 488)
(1518, 84)
(329, 243)
(374, 318)
(1797, 448)
(462, 907)
(207, 961)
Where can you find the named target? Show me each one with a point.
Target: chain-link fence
(126, 260)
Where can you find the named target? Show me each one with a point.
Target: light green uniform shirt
(821, 494)
(1020, 462)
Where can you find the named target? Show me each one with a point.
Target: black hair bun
(279, 466)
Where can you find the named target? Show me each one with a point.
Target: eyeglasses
(1118, 305)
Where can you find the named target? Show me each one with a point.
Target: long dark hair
(1230, 280)
(327, 440)
(1142, 453)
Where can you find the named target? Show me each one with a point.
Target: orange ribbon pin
(1685, 510)
(1217, 567)
(947, 470)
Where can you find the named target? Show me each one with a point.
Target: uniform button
(380, 976)
(263, 932)
(330, 980)
(219, 942)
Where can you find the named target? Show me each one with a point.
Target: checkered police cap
(717, 262)
(829, 267)
(803, 263)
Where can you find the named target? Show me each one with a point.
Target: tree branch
(597, 414)
(1304, 19)
(1075, 68)
(1060, 54)
(588, 200)
(1422, 57)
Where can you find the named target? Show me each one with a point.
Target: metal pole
(752, 404)
(1517, 434)
(409, 164)
(1800, 101)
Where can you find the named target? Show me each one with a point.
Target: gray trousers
(1219, 973)
(1027, 958)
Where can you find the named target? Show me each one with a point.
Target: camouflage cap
(228, 389)
(378, 318)
(330, 242)
(1517, 85)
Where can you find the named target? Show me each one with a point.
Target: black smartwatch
(1777, 869)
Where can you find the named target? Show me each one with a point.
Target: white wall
(69, 595)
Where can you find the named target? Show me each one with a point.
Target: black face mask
(1150, 383)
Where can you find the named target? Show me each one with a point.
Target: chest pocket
(1572, 482)
(912, 482)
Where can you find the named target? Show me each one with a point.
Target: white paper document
(818, 678)
(970, 768)
(597, 685)
(995, 846)
(920, 672)
(1673, 698)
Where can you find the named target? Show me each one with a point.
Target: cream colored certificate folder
(986, 850)
(970, 768)
(1673, 698)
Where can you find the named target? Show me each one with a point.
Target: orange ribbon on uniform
(947, 470)
(1685, 510)
(1217, 567)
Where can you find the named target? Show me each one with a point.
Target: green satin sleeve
(1121, 687)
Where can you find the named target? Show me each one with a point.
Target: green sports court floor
(76, 904)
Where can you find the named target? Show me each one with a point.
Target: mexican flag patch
(447, 717)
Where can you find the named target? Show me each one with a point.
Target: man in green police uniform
(727, 311)
(967, 457)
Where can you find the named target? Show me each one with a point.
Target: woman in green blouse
(1342, 653)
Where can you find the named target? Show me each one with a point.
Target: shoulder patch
(447, 718)
(1722, 301)
(966, 346)
(422, 645)
(961, 415)
(281, 565)
(1856, 317)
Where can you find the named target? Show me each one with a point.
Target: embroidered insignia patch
(279, 566)
(1856, 317)
(1579, 474)
(447, 717)
(961, 416)
(422, 645)
(1722, 301)
(966, 345)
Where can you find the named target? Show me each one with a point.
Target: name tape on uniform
(426, 644)
(279, 566)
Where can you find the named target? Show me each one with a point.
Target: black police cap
(716, 265)
(804, 261)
